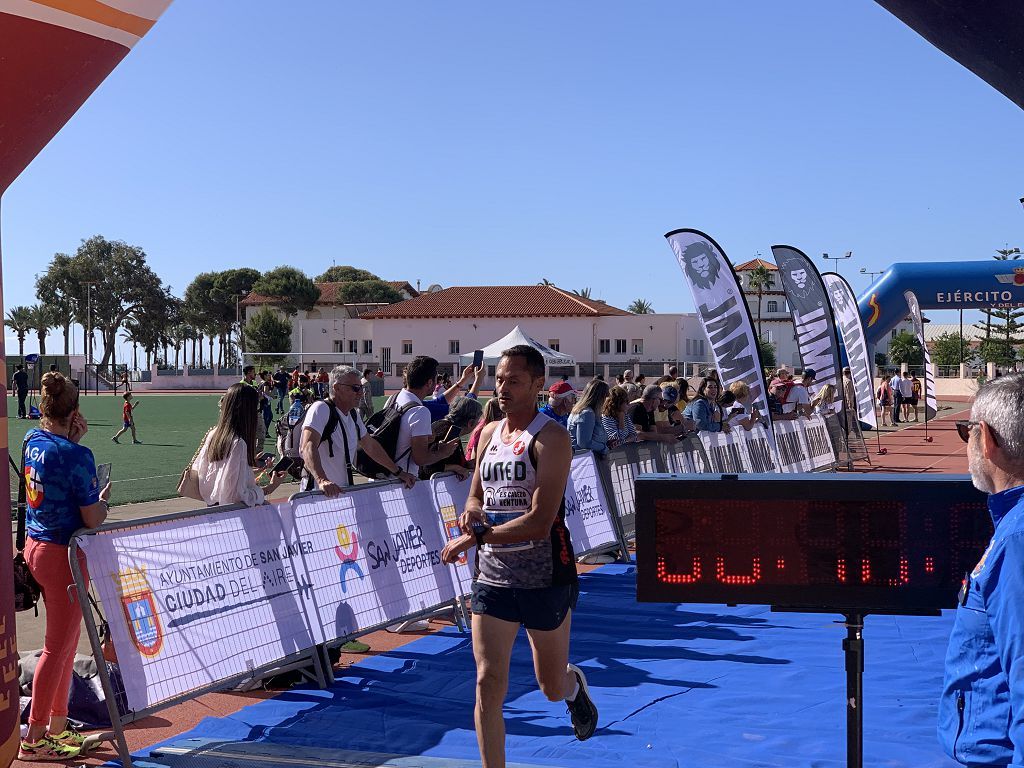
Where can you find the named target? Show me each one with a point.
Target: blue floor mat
(676, 686)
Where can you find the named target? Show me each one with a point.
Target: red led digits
(678, 578)
(753, 578)
(841, 570)
(929, 565)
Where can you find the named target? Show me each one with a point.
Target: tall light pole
(837, 259)
(88, 350)
(870, 274)
(238, 322)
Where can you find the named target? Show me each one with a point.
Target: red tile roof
(496, 301)
(328, 293)
(754, 264)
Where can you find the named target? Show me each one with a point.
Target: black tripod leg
(853, 647)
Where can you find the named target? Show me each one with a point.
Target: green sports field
(169, 426)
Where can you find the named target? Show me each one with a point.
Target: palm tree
(640, 307)
(131, 332)
(759, 279)
(545, 281)
(583, 293)
(43, 318)
(19, 320)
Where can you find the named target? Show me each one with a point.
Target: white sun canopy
(492, 352)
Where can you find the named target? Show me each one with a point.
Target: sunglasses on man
(964, 427)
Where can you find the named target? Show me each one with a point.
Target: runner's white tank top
(508, 479)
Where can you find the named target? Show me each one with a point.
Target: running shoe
(46, 750)
(69, 737)
(582, 709)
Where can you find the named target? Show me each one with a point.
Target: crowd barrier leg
(91, 630)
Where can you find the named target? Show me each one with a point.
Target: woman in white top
(226, 462)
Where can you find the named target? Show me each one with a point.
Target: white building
(446, 323)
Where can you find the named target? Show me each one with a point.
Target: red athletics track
(907, 453)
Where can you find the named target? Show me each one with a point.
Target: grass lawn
(169, 426)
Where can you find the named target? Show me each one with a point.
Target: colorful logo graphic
(518, 448)
(348, 552)
(450, 516)
(1017, 278)
(33, 488)
(140, 610)
(876, 310)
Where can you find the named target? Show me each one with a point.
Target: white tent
(492, 352)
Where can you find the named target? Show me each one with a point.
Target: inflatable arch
(943, 285)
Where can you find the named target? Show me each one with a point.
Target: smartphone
(478, 358)
(284, 464)
(264, 459)
(103, 475)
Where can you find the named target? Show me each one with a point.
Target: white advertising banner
(844, 305)
(931, 406)
(202, 599)
(760, 448)
(723, 311)
(450, 496)
(587, 515)
(804, 444)
(686, 457)
(374, 556)
(726, 453)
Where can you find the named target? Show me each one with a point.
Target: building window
(367, 346)
(407, 347)
(453, 347)
(689, 346)
(773, 306)
(553, 344)
(769, 336)
(638, 346)
(702, 347)
(604, 346)
(620, 346)
(893, 334)
(353, 346)
(337, 346)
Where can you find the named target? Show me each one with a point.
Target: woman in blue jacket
(584, 425)
(704, 409)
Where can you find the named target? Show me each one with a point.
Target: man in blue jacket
(981, 712)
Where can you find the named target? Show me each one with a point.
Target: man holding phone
(328, 457)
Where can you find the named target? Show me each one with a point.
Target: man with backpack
(333, 434)
(793, 397)
(413, 447)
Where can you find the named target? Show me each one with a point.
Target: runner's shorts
(542, 609)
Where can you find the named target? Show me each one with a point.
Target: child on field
(128, 419)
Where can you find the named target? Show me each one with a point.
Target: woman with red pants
(62, 496)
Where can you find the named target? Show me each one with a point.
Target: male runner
(525, 569)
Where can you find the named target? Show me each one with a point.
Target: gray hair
(1000, 403)
(340, 372)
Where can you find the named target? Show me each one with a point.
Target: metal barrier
(619, 470)
(137, 622)
(685, 456)
(209, 599)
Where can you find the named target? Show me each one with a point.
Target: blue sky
(481, 143)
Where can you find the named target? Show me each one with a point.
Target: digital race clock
(892, 543)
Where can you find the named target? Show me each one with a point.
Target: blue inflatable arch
(943, 285)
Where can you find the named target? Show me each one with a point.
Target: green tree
(947, 349)
(640, 307)
(123, 285)
(290, 288)
(583, 293)
(229, 287)
(269, 333)
(905, 348)
(43, 319)
(996, 350)
(55, 289)
(368, 292)
(1002, 254)
(767, 350)
(545, 281)
(344, 274)
(758, 280)
(19, 320)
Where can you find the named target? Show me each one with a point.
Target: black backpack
(289, 436)
(384, 427)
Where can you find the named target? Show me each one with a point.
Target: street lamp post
(870, 274)
(238, 322)
(837, 259)
(89, 340)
